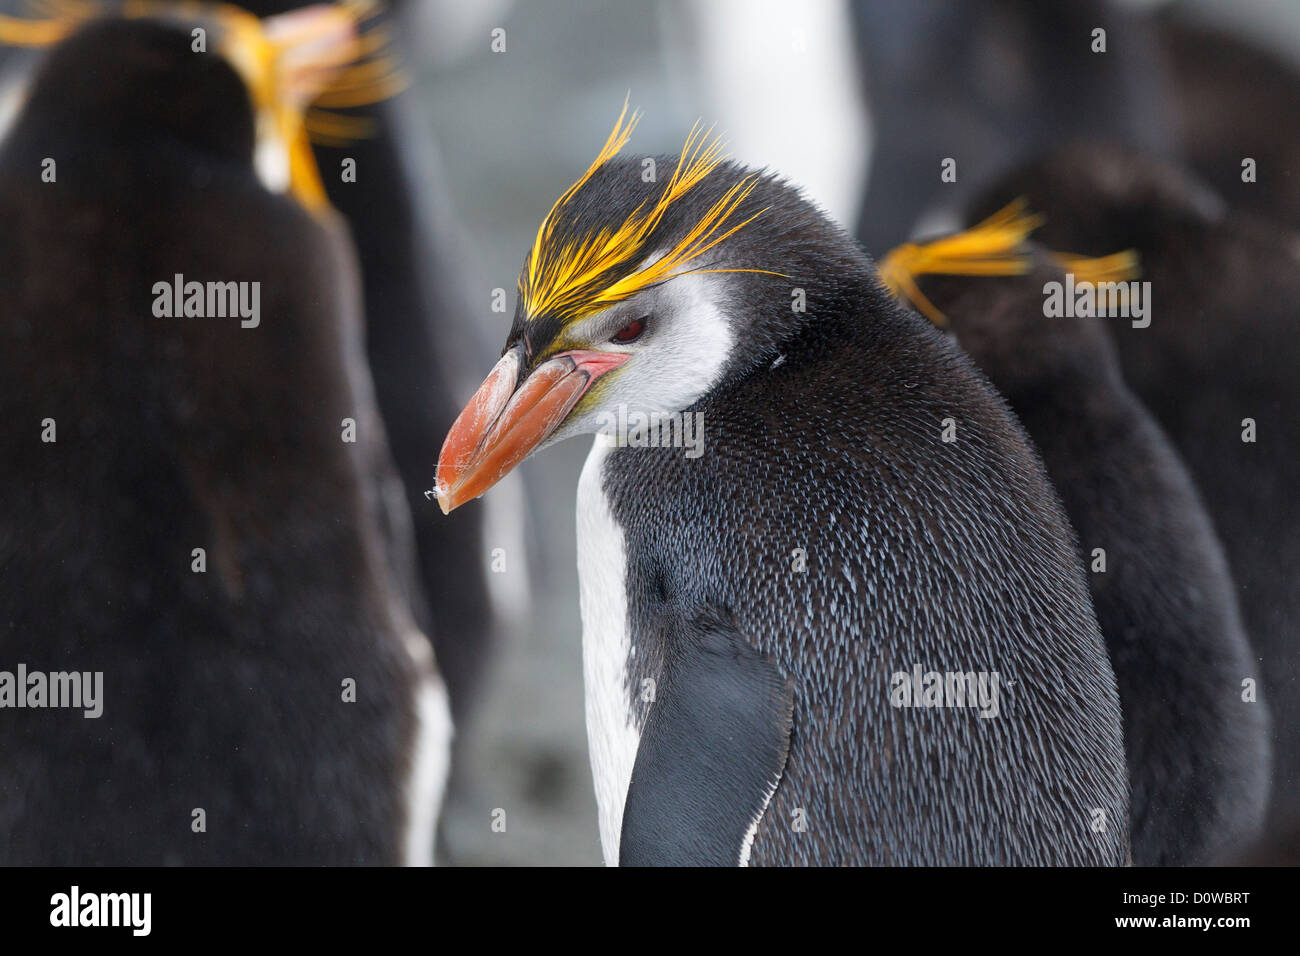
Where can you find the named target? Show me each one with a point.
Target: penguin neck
(839, 310)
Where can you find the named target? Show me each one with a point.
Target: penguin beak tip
(502, 425)
(438, 493)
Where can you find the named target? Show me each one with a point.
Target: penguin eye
(632, 331)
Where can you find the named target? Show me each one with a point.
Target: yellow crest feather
(994, 247)
(564, 279)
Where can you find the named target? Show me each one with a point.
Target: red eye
(630, 332)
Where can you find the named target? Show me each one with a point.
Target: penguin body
(1198, 755)
(909, 542)
(201, 532)
(1216, 367)
(413, 322)
(753, 615)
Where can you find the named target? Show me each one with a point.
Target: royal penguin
(1198, 755)
(185, 510)
(1216, 365)
(782, 566)
(380, 170)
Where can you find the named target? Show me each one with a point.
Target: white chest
(612, 736)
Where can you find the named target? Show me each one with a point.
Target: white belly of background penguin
(430, 754)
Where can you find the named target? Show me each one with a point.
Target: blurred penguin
(1238, 105)
(781, 77)
(194, 483)
(980, 84)
(381, 172)
(1216, 364)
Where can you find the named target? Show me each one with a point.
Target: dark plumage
(1235, 101)
(1198, 756)
(1221, 348)
(223, 690)
(413, 320)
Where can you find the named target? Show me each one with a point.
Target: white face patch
(677, 361)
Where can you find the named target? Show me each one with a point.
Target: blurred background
(855, 101)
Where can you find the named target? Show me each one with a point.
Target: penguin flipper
(712, 750)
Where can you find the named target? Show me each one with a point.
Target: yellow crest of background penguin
(225, 674)
(1198, 756)
(1221, 350)
(738, 704)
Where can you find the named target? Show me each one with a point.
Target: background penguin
(413, 331)
(1235, 100)
(418, 343)
(989, 83)
(1221, 348)
(225, 691)
(766, 733)
(1198, 756)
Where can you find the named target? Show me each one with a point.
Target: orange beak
(503, 424)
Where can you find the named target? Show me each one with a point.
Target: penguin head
(650, 282)
(987, 285)
(1097, 195)
(209, 76)
(999, 322)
